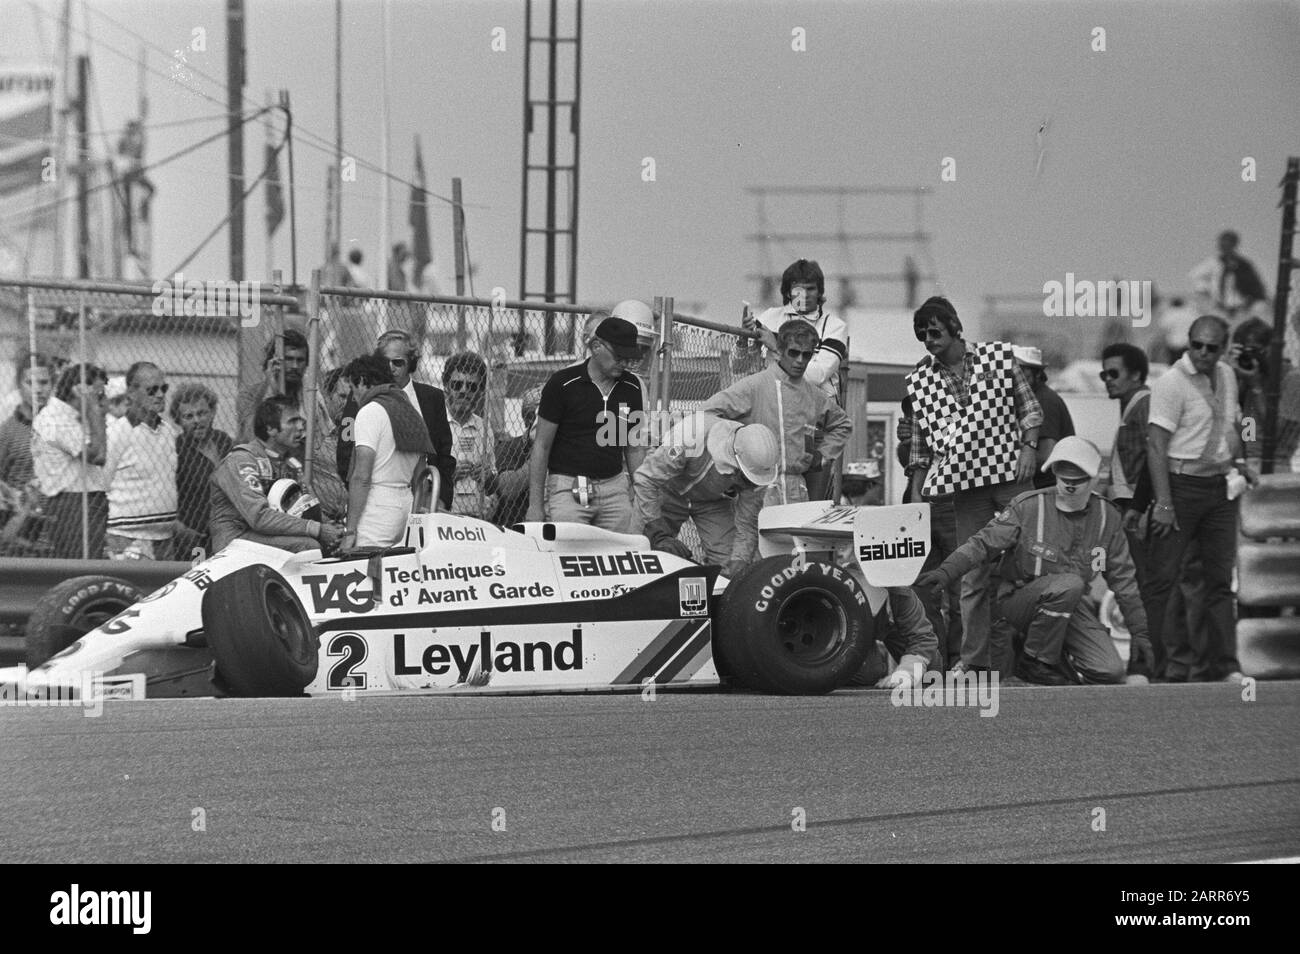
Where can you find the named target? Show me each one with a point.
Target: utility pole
(63, 105)
(385, 188)
(1285, 263)
(458, 243)
(83, 169)
(235, 128)
(334, 240)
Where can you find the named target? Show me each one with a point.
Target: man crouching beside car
(1055, 540)
(241, 482)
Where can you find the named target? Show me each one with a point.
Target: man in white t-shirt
(391, 440)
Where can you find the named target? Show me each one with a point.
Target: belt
(1199, 468)
(560, 473)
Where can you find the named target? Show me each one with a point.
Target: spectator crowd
(1016, 517)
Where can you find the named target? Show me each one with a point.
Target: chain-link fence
(95, 460)
(145, 493)
(485, 356)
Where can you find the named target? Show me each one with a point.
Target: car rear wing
(889, 544)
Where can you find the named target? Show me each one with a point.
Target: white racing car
(467, 606)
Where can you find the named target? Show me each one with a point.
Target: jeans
(1207, 516)
(65, 525)
(980, 646)
(608, 506)
(943, 536)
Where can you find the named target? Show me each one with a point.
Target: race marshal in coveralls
(708, 470)
(1058, 538)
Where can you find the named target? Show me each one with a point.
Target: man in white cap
(860, 484)
(1057, 422)
(710, 471)
(1055, 540)
(642, 317)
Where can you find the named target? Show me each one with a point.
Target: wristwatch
(1033, 443)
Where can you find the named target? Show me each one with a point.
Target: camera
(1250, 358)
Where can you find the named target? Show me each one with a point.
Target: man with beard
(464, 377)
(295, 366)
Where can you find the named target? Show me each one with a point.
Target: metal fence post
(85, 424)
(311, 382)
(666, 350)
(277, 329)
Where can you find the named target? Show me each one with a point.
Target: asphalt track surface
(1183, 774)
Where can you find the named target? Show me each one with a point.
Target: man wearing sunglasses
(140, 466)
(1193, 442)
(974, 429)
(464, 377)
(576, 473)
(811, 426)
(1055, 540)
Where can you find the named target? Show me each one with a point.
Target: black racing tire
(792, 626)
(261, 638)
(73, 608)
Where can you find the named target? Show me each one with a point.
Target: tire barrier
(1268, 575)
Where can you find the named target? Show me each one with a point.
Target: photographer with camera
(1248, 358)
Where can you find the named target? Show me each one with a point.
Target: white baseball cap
(1077, 451)
(1029, 355)
(751, 448)
(641, 315)
(865, 469)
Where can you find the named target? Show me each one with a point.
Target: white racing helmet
(643, 316)
(287, 496)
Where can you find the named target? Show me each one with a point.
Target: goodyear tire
(261, 638)
(73, 608)
(792, 627)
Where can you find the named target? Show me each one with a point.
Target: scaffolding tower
(552, 94)
(839, 251)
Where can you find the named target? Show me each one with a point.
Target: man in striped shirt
(141, 471)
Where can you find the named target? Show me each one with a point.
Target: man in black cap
(589, 435)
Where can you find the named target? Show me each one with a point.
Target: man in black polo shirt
(589, 435)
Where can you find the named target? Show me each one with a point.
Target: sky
(1140, 165)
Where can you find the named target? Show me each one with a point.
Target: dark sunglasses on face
(794, 354)
(1110, 374)
(1206, 346)
(934, 334)
(1073, 481)
(156, 390)
(459, 385)
(397, 362)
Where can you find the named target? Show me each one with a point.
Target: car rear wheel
(261, 637)
(793, 626)
(73, 608)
